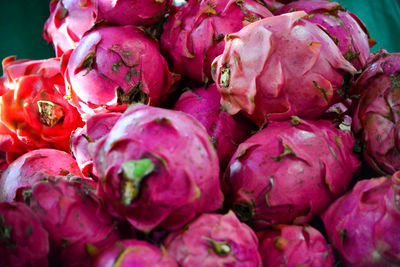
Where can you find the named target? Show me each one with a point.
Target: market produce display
(201, 133)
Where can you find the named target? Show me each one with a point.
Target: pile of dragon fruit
(204, 133)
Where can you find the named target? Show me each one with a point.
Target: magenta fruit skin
(214, 240)
(294, 245)
(131, 252)
(193, 35)
(178, 174)
(226, 131)
(278, 67)
(363, 224)
(289, 172)
(376, 117)
(23, 240)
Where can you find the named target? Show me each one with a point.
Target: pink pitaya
(157, 169)
(363, 225)
(113, 67)
(78, 226)
(376, 117)
(3, 162)
(346, 29)
(294, 245)
(23, 240)
(194, 35)
(31, 168)
(214, 240)
(226, 131)
(289, 172)
(278, 67)
(96, 127)
(137, 253)
(34, 110)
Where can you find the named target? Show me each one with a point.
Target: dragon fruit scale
(376, 117)
(226, 131)
(294, 245)
(363, 225)
(23, 240)
(96, 127)
(278, 67)
(214, 240)
(78, 226)
(289, 172)
(131, 252)
(113, 67)
(31, 167)
(157, 169)
(345, 28)
(194, 35)
(33, 110)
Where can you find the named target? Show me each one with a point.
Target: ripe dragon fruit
(131, 252)
(73, 215)
(31, 167)
(113, 67)
(346, 29)
(193, 36)
(376, 117)
(23, 240)
(157, 169)
(226, 131)
(96, 127)
(33, 109)
(294, 245)
(278, 67)
(70, 19)
(289, 172)
(214, 240)
(363, 225)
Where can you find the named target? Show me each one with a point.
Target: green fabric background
(21, 24)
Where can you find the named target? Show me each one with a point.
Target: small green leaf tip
(222, 248)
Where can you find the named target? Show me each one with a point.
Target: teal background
(21, 25)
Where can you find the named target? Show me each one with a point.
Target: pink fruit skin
(3, 162)
(363, 224)
(96, 127)
(278, 67)
(294, 245)
(193, 36)
(289, 172)
(376, 116)
(74, 218)
(113, 67)
(193, 246)
(23, 240)
(184, 180)
(33, 166)
(226, 131)
(344, 27)
(131, 252)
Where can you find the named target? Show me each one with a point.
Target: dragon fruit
(294, 245)
(363, 225)
(31, 167)
(33, 109)
(193, 36)
(73, 215)
(96, 127)
(376, 117)
(278, 67)
(289, 172)
(131, 252)
(3, 162)
(157, 169)
(346, 29)
(23, 240)
(226, 131)
(113, 67)
(214, 240)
